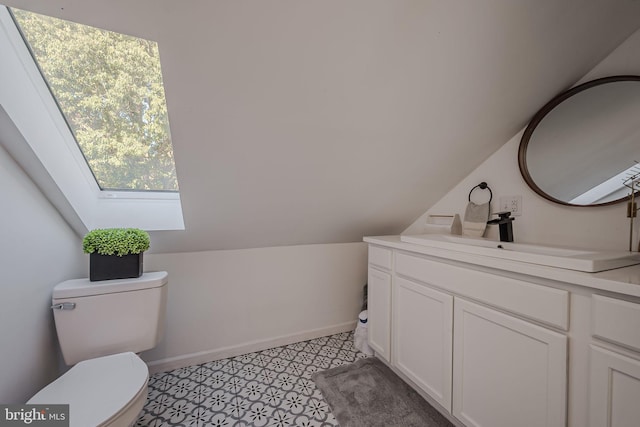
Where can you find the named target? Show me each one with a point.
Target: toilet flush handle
(64, 306)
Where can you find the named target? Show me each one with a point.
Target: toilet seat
(100, 392)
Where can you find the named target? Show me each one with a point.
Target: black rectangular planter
(108, 267)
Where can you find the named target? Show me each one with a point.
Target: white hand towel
(475, 219)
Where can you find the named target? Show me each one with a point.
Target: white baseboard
(182, 361)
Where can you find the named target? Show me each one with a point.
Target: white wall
(340, 114)
(543, 221)
(37, 250)
(224, 303)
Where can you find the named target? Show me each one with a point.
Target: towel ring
(482, 186)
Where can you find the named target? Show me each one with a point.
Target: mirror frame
(537, 118)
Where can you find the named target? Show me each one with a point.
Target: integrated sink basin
(571, 259)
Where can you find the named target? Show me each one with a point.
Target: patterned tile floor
(267, 388)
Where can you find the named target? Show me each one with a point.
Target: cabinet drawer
(542, 303)
(616, 320)
(380, 257)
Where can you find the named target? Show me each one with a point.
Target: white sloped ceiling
(300, 122)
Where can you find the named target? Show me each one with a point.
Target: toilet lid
(96, 389)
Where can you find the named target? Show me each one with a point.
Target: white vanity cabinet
(506, 371)
(486, 367)
(499, 343)
(614, 386)
(422, 337)
(379, 301)
(614, 378)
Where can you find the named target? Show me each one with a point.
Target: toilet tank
(96, 319)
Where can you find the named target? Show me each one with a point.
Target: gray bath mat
(368, 394)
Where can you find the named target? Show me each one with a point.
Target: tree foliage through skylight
(109, 87)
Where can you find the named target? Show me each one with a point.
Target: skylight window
(611, 189)
(109, 88)
(102, 161)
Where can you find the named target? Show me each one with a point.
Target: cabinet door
(506, 372)
(422, 331)
(614, 389)
(379, 311)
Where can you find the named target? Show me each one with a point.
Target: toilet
(101, 326)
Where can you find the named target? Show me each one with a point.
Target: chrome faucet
(505, 221)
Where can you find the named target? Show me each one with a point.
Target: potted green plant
(115, 253)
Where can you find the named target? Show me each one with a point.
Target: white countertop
(621, 280)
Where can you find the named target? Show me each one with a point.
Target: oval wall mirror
(582, 145)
